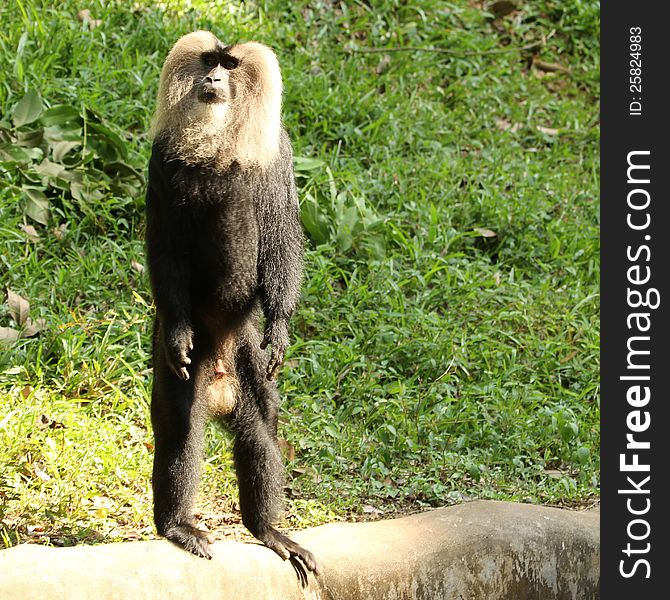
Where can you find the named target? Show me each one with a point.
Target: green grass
(446, 345)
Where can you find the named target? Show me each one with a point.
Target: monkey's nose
(213, 81)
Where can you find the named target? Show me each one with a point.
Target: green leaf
(36, 205)
(330, 430)
(107, 136)
(61, 114)
(583, 454)
(66, 132)
(314, 220)
(85, 192)
(60, 149)
(18, 64)
(347, 227)
(30, 139)
(28, 109)
(569, 431)
(11, 154)
(302, 163)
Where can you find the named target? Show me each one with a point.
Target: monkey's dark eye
(210, 59)
(229, 62)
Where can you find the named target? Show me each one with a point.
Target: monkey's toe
(190, 538)
(286, 548)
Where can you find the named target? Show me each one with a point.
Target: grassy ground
(447, 341)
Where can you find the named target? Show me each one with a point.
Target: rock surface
(475, 551)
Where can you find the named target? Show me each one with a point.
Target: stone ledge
(475, 551)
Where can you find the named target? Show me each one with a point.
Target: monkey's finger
(179, 371)
(276, 361)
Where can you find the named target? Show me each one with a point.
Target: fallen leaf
(45, 422)
(487, 233)
(547, 130)
(139, 267)
(84, 16)
(34, 530)
(60, 231)
(7, 334)
(554, 473)
(102, 502)
(26, 391)
(383, 65)
(372, 510)
(502, 8)
(505, 125)
(32, 328)
(18, 308)
(549, 67)
(287, 449)
(42, 422)
(30, 231)
(569, 357)
(41, 473)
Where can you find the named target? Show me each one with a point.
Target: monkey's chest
(224, 252)
(223, 235)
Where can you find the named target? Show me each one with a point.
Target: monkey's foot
(190, 538)
(287, 548)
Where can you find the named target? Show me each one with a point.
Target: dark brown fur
(224, 248)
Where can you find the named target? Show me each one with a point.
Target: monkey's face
(215, 86)
(219, 103)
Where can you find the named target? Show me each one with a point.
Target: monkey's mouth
(211, 95)
(212, 92)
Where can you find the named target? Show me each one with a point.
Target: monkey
(224, 250)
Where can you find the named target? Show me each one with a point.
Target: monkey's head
(218, 104)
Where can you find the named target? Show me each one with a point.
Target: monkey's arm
(167, 257)
(280, 263)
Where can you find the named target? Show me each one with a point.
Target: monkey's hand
(178, 343)
(276, 334)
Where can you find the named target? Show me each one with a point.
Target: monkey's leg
(258, 462)
(178, 424)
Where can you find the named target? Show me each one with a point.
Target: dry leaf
(8, 334)
(383, 65)
(287, 449)
(549, 67)
(42, 422)
(569, 357)
(26, 391)
(84, 16)
(139, 267)
(547, 130)
(505, 125)
(30, 231)
(32, 328)
(34, 530)
(18, 308)
(372, 510)
(60, 231)
(502, 8)
(487, 233)
(41, 473)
